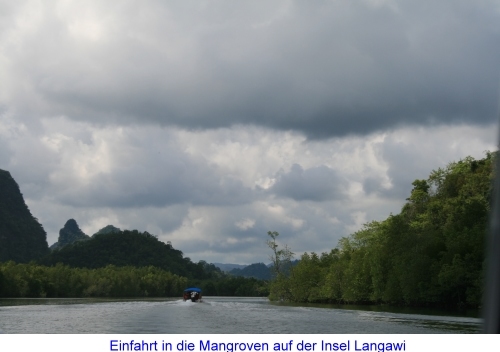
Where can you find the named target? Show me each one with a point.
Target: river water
(215, 315)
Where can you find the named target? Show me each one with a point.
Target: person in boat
(194, 294)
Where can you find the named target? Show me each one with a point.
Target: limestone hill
(22, 238)
(69, 234)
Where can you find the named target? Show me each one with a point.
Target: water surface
(215, 315)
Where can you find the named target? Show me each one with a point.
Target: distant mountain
(260, 270)
(257, 270)
(22, 238)
(69, 234)
(228, 267)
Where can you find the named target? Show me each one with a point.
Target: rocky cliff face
(69, 234)
(22, 238)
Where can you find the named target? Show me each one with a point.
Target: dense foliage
(129, 248)
(431, 253)
(132, 249)
(22, 238)
(32, 280)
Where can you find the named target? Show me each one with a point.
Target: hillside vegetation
(69, 234)
(431, 253)
(111, 263)
(129, 248)
(120, 264)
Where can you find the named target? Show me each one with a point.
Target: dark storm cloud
(325, 69)
(316, 184)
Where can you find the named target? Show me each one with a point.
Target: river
(215, 315)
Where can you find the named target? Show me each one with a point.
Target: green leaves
(32, 280)
(432, 253)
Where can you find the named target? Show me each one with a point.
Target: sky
(209, 124)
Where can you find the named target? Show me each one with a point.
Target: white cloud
(245, 224)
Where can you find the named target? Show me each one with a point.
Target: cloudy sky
(210, 123)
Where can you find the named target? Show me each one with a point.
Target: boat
(193, 294)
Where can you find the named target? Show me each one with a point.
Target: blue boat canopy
(191, 289)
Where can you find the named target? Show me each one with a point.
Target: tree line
(431, 253)
(20, 280)
(34, 280)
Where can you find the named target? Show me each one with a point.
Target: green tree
(281, 263)
(431, 253)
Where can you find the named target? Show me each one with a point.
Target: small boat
(192, 293)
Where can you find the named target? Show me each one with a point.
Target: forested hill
(129, 248)
(69, 234)
(22, 238)
(431, 253)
